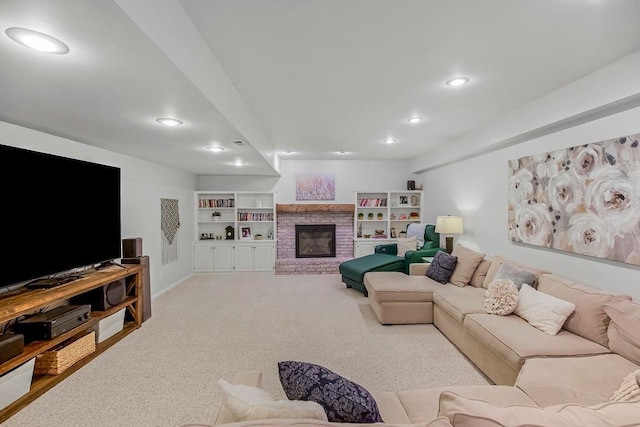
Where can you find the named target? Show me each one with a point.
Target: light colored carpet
(213, 325)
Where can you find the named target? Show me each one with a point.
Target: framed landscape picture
(315, 186)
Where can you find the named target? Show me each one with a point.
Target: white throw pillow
(543, 311)
(407, 244)
(253, 403)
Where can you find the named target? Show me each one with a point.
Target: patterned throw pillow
(344, 401)
(501, 297)
(441, 267)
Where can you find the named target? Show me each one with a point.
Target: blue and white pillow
(343, 400)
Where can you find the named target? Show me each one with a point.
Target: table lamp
(449, 225)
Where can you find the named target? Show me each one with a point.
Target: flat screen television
(60, 214)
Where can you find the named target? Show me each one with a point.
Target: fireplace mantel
(316, 207)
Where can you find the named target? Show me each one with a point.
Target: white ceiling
(311, 76)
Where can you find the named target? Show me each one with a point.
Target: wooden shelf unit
(29, 301)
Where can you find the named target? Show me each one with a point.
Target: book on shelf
(373, 203)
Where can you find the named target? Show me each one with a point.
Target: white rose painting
(583, 199)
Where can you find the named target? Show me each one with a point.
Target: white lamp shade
(449, 224)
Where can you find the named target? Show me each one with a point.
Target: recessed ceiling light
(215, 149)
(458, 81)
(342, 152)
(239, 163)
(288, 152)
(169, 121)
(415, 119)
(36, 40)
(390, 141)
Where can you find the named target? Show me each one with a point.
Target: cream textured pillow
(468, 261)
(252, 403)
(543, 311)
(407, 244)
(501, 297)
(629, 390)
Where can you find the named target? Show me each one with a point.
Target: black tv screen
(60, 214)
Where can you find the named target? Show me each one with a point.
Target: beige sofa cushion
(585, 380)
(624, 329)
(515, 340)
(422, 405)
(498, 260)
(468, 261)
(465, 412)
(394, 286)
(481, 272)
(390, 407)
(458, 302)
(589, 319)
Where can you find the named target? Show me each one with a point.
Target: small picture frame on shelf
(403, 200)
(414, 200)
(393, 232)
(245, 233)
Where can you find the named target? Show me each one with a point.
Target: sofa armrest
(389, 249)
(418, 269)
(413, 257)
(250, 378)
(416, 256)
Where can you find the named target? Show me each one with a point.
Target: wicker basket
(56, 361)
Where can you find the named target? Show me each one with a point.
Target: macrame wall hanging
(169, 224)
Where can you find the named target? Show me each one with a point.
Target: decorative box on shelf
(56, 361)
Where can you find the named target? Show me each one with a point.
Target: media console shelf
(29, 301)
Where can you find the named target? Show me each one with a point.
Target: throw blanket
(417, 230)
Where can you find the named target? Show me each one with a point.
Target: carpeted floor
(212, 326)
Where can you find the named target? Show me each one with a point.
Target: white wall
(350, 176)
(476, 189)
(143, 184)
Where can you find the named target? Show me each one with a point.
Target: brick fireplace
(288, 216)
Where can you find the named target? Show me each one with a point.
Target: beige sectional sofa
(501, 345)
(567, 379)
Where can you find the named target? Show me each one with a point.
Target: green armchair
(429, 249)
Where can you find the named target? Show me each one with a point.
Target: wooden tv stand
(14, 305)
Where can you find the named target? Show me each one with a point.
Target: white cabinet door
(265, 257)
(244, 256)
(202, 258)
(223, 257)
(361, 248)
(364, 248)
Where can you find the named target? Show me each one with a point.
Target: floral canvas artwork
(315, 186)
(583, 199)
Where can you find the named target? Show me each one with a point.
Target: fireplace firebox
(315, 241)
